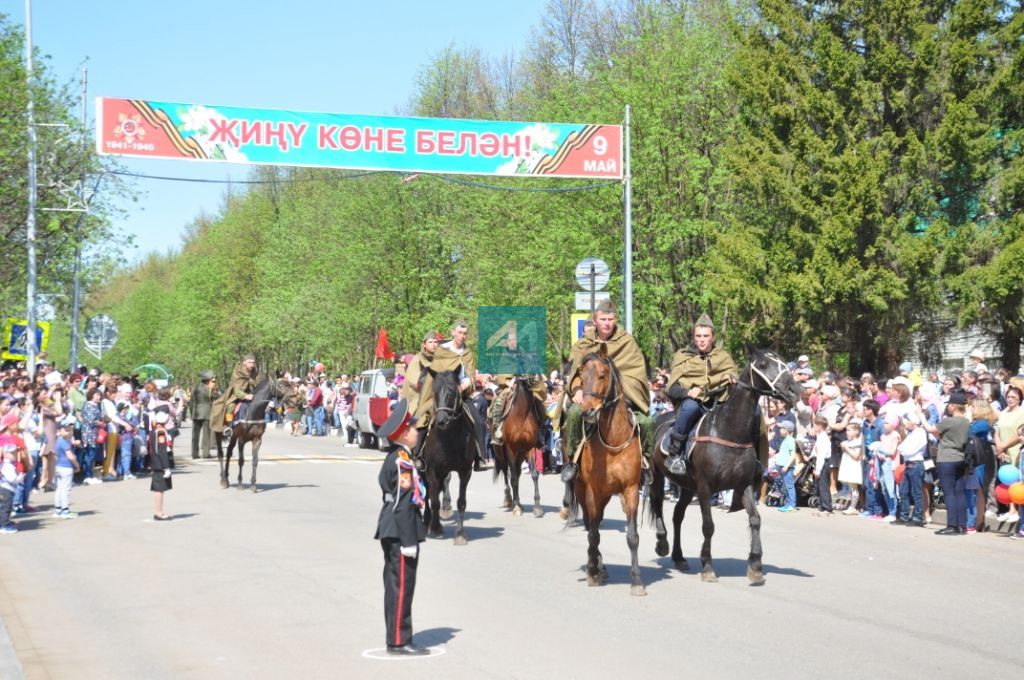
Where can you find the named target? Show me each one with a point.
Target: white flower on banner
(537, 141)
(196, 119)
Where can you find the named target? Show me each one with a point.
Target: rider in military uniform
(515, 360)
(418, 387)
(701, 374)
(239, 391)
(622, 349)
(400, 528)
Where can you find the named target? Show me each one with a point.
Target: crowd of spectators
(82, 427)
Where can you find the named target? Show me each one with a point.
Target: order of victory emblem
(129, 127)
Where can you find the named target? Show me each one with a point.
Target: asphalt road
(286, 583)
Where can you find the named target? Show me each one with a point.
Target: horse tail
(572, 504)
(500, 463)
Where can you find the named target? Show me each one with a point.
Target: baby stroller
(806, 487)
(776, 497)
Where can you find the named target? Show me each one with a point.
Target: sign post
(592, 276)
(100, 335)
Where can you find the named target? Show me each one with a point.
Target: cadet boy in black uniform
(400, 528)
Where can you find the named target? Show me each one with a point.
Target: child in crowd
(886, 453)
(785, 462)
(822, 453)
(67, 466)
(9, 478)
(850, 472)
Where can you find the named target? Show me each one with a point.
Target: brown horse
(609, 464)
(520, 434)
(249, 430)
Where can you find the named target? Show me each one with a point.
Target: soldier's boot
(676, 461)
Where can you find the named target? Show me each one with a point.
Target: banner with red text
(133, 127)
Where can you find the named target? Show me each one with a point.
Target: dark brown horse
(450, 446)
(249, 430)
(609, 463)
(724, 456)
(520, 436)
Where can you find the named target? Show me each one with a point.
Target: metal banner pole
(30, 223)
(77, 290)
(593, 289)
(627, 256)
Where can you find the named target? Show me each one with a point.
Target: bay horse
(726, 444)
(609, 463)
(450, 446)
(519, 427)
(249, 430)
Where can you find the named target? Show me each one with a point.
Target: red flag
(383, 349)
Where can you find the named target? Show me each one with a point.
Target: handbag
(101, 435)
(897, 474)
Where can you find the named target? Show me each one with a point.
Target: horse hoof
(709, 577)
(564, 513)
(661, 549)
(756, 577)
(224, 484)
(254, 488)
(593, 581)
(435, 534)
(445, 514)
(681, 565)
(517, 511)
(460, 540)
(507, 504)
(538, 511)
(638, 591)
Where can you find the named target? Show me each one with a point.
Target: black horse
(249, 430)
(726, 443)
(449, 447)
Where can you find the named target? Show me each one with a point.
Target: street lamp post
(30, 223)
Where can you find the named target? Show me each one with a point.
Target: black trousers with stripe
(399, 586)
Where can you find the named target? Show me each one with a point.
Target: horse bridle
(609, 401)
(452, 409)
(613, 386)
(783, 369)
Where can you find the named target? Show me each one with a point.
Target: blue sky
(312, 55)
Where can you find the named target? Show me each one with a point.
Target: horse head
(447, 398)
(767, 374)
(602, 386)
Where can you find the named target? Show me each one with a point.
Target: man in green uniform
(243, 382)
(202, 404)
(698, 373)
(625, 353)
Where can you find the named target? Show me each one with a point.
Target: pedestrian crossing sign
(16, 338)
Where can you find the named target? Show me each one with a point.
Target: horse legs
(241, 460)
(446, 499)
(632, 502)
(538, 510)
(515, 470)
(707, 572)
(219, 438)
(656, 499)
(678, 513)
(592, 517)
(255, 460)
(434, 529)
(754, 568)
(460, 532)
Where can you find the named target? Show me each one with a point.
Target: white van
(372, 405)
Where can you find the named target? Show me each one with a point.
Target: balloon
(319, 368)
(1016, 493)
(1008, 474)
(1003, 494)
